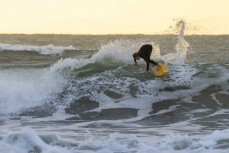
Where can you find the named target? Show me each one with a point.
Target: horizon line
(107, 34)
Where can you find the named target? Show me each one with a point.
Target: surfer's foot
(159, 67)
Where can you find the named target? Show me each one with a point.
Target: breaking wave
(49, 49)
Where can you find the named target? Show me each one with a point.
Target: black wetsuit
(145, 52)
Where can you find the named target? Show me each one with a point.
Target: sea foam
(29, 140)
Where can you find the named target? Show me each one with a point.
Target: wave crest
(48, 49)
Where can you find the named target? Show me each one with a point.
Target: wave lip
(48, 49)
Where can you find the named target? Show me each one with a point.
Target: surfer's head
(136, 56)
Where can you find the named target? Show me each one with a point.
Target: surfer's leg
(153, 62)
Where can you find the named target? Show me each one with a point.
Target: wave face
(107, 82)
(93, 99)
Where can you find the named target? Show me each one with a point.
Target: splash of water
(120, 51)
(182, 45)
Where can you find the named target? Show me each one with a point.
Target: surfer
(145, 52)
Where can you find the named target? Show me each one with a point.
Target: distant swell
(48, 49)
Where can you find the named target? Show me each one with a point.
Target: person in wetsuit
(145, 52)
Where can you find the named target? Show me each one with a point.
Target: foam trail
(49, 49)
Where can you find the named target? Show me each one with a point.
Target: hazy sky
(113, 16)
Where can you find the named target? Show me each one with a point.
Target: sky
(113, 16)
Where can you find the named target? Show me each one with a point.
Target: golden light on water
(113, 16)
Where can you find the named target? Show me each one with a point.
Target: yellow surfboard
(162, 71)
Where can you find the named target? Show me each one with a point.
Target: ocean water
(83, 94)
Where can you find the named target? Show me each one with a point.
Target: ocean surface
(83, 94)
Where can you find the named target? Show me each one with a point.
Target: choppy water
(82, 94)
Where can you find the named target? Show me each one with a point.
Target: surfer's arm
(152, 62)
(135, 62)
(147, 64)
